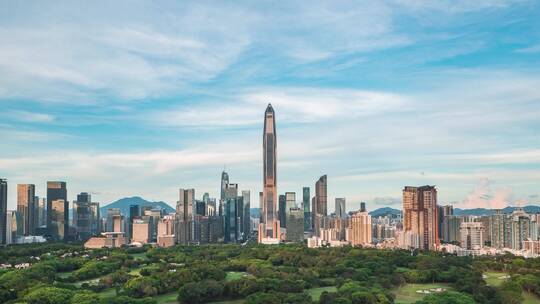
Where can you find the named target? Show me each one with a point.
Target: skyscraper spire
(269, 227)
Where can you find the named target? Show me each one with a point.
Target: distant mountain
(384, 211)
(124, 203)
(484, 211)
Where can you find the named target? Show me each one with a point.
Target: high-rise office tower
(340, 208)
(282, 213)
(321, 199)
(290, 200)
(269, 226)
(59, 219)
(472, 235)
(359, 232)
(246, 221)
(3, 210)
(36, 214)
(420, 215)
(55, 191)
(184, 216)
(224, 184)
(362, 207)
(25, 206)
(184, 206)
(83, 216)
(295, 225)
(307, 210)
(141, 231)
(42, 202)
(111, 213)
(134, 213)
(320, 205)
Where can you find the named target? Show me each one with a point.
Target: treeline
(272, 274)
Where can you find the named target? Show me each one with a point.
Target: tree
(85, 297)
(447, 297)
(49, 295)
(142, 287)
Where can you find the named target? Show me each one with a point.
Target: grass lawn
(107, 293)
(407, 294)
(135, 271)
(141, 256)
(235, 275)
(228, 302)
(168, 298)
(529, 298)
(315, 293)
(64, 275)
(494, 278)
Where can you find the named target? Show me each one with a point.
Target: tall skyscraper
(84, 216)
(282, 213)
(362, 207)
(55, 191)
(25, 206)
(290, 201)
(295, 225)
(134, 213)
(321, 199)
(184, 215)
(269, 227)
(42, 202)
(59, 217)
(320, 204)
(442, 212)
(184, 206)
(3, 210)
(307, 210)
(420, 215)
(246, 220)
(224, 184)
(340, 208)
(497, 229)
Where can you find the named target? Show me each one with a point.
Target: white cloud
(296, 105)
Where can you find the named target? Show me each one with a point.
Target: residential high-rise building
(472, 235)
(3, 210)
(224, 184)
(59, 219)
(420, 215)
(282, 213)
(307, 210)
(522, 228)
(25, 206)
(442, 212)
(340, 208)
(497, 229)
(451, 228)
(55, 191)
(295, 225)
(359, 232)
(269, 227)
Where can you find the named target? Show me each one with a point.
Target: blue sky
(142, 98)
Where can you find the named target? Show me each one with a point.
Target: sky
(145, 97)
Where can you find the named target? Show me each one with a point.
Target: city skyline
(417, 94)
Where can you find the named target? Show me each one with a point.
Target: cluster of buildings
(422, 225)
